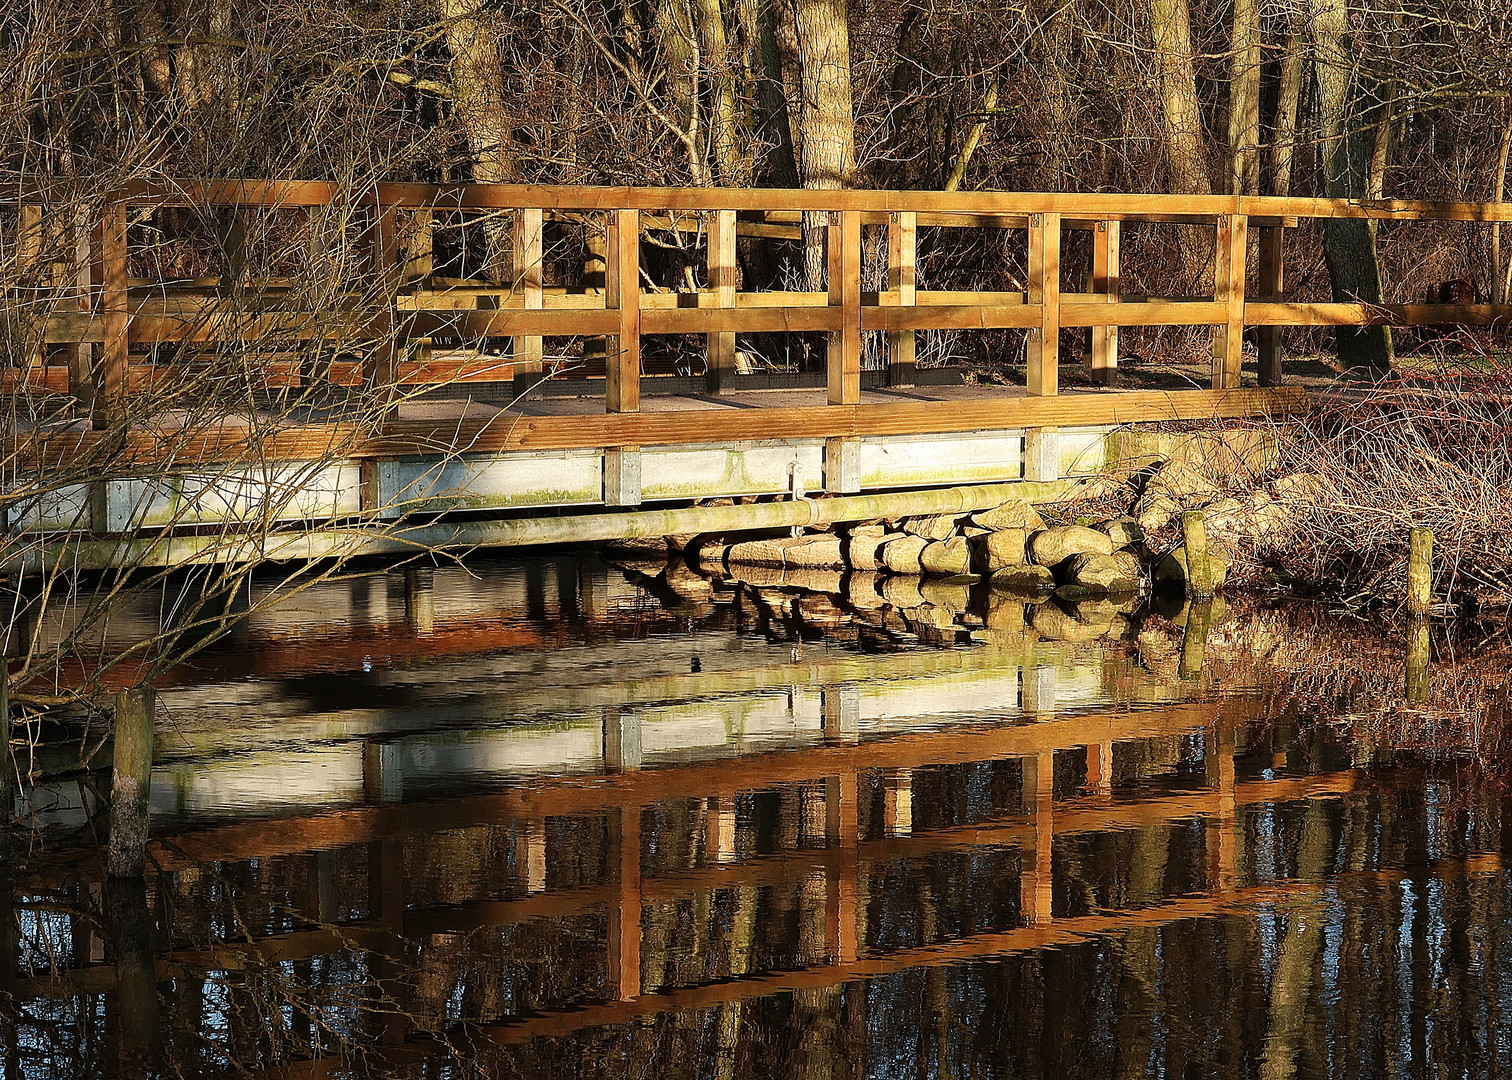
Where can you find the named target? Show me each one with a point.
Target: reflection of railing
(398, 301)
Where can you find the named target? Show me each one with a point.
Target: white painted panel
(743, 469)
(53, 511)
(490, 481)
(928, 460)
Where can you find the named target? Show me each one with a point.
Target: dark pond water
(558, 819)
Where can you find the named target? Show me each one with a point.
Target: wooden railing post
(622, 293)
(902, 278)
(382, 368)
(81, 353)
(722, 265)
(1228, 289)
(115, 311)
(844, 359)
(1105, 271)
(1272, 282)
(1043, 351)
(529, 281)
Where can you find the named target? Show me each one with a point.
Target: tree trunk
(675, 37)
(726, 137)
(826, 135)
(1288, 101)
(1499, 284)
(1244, 100)
(1348, 244)
(478, 96)
(1171, 27)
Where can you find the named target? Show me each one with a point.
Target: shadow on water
(554, 818)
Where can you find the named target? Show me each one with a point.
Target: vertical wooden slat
(722, 268)
(529, 281)
(29, 246)
(115, 311)
(1272, 282)
(1228, 289)
(902, 278)
(81, 353)
(382, 370)
(1044, 291)
(844, 359)
(1105, 275)
(622, 292)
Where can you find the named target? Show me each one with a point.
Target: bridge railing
(398, 301)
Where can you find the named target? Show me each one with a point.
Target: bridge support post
(1272, 240)
(131, 782)
(1035, 867)
(842, 467)
(1105, 273)
(622, 293)
(1042, 353)
(722, 264)
(1228, 289)
(1042, 454)
(902, 278)
(109, 269)
(844, 355)
(622, 476)
(382, 369)
(528, 282)
(625, 913)
(622, 738)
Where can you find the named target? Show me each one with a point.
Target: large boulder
(902, 591)
(813, 553)
(861, 590)
(1129, 565)
(946, 558)
(933, 527)
(901, 556)
(1253, 519)
(1155, 510)
(1301, 489)
(1054, 546)
(862, 545)
(1183, 483)
(1059, 624)
(1098, 575)
(999, 550)
(1027, 581)
(756, 553)
(951, 594)
(1010, 515)
(1171, 572)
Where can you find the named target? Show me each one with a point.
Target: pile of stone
(1010, 545)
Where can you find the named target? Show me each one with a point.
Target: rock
(862, 545)
(1239, 452)
(1058, 624)
(927, 614)
(902, 591)
(815, 579)
(680, 541)
(687, 584)
(638, 546)
(1098, 574)
(1123, 531)
(756, 574)
(952, 594)
(946, 558)
(901, 556)
(818, 609)
(933, 527)
(1054, 546)
(1183, 483)
(756, 553)
(1156, 510)
(711, 556)
(999, 550)
(1023, 581)
(971, 532)
(1171, 573)
(1010, 515)
(813, 553)
(1304, 489)
(1005, 613)
(1129, 566)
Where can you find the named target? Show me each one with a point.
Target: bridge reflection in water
(1025, 858)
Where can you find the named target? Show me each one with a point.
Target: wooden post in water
(1199, 573)
(1420, 572)
(131, 782)
(136, 986)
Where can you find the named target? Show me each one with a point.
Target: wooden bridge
(384, 444)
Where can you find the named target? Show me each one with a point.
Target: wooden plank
(1272, 283)
(81, 352)
(1145, 313)
(622, 294)
(1284, 314)
(747, 321)
(720, 344)
(1228, 290)
(1092, 206)
(1106, 254)
(529, 276)
(964, 317)
(507, 322)
(384, 265)
(843, 357)
(902, 280)
(111, 375)
(1043, 348)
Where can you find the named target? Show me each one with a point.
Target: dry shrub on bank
(1433, 449)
